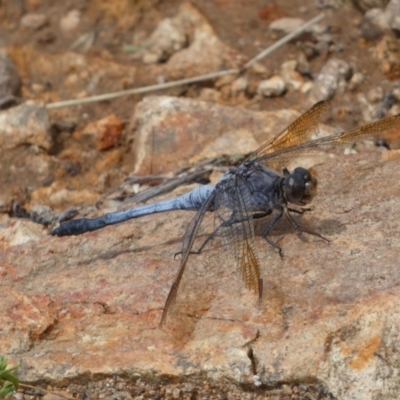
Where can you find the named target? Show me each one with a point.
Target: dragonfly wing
(299, 131)
(370, 130)
(234, 222)
(189, 238)
(285, 155)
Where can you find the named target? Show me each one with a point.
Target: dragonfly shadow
(199, 285)
(119, 250)
(200, 290)
(325, 227)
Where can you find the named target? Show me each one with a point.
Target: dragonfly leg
(214, 233)
(297, 226)
(209, 237)
(261, 215)
(274, 244)
(268, 230)
(201, 248)
(301, 211)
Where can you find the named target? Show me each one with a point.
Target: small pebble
(69, 23)
(33, 21)
(239, 85)
(356, 80)
(375, 94)
(393, 13)
(286, 24)
(272, 87)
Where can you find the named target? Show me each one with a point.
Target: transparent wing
(300, 131)
(283, 156)
(189, 238)
(234, 222)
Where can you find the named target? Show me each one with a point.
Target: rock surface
(374, 24)
(81, 314)
(25, 124)
(166, 126)
(168, 38)
(330, 80)
(329, 312)
(183, 41)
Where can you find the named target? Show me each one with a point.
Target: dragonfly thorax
(299, 186)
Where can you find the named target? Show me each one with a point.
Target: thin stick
(166, 186)
(284, 40)
(212, 75)
(144, 89)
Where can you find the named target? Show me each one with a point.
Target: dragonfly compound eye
(300, 187)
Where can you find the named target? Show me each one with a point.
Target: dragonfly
(251, 190)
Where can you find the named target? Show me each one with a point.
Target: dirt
(40, 57)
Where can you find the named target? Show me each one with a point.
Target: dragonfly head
(299, 186)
